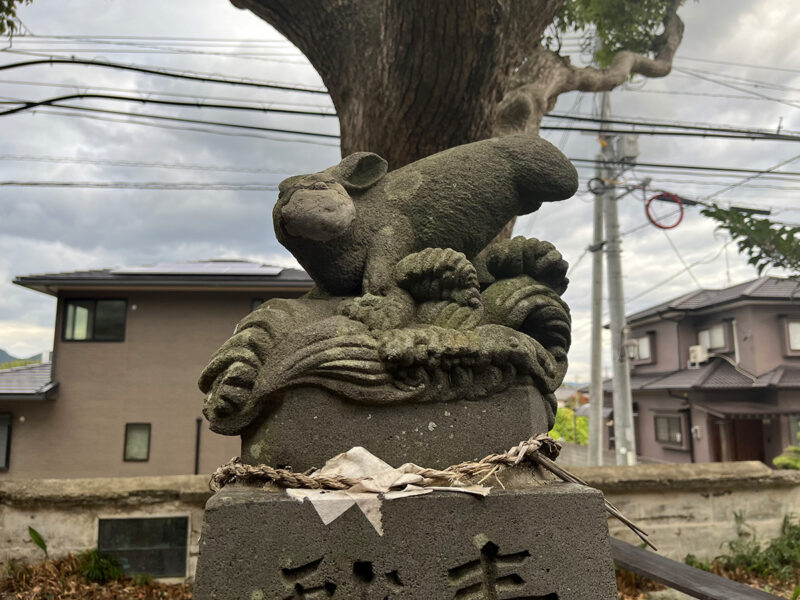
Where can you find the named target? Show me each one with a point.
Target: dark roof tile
(790, 378)
(775, 288)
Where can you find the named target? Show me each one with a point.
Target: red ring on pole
(659, 197)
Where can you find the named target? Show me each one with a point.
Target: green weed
(779, 558)
(99, 568)
(37, 539)
(697, 563)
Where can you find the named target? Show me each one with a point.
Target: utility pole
(625, 443)
(596, 421)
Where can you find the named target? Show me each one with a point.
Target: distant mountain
(6, 357)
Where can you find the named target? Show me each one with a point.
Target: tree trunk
(410, 78)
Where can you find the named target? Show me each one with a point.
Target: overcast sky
(60, 229)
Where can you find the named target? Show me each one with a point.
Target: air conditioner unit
(697, 354)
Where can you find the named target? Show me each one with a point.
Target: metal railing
(681, 577)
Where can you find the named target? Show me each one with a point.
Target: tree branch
(546, 75)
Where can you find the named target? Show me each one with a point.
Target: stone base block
(311, 425)
(548, 542)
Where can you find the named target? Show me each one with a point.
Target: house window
(95, 320)
(148, 546)
(5, 441)
(642, 349)
(712, 338)
(137, 442)
(794, 335)
(669, 430)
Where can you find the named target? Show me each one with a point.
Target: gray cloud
(46, 230)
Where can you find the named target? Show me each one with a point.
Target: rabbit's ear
(360, 171)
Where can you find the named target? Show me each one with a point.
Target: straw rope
(539, 450)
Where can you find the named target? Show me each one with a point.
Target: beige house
(120, 397)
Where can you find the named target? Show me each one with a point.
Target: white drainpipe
(735, 334)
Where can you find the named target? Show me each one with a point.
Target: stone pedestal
(544, 542)
(311, 425)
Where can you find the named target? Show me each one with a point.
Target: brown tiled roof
(764, 288)
(28, 382)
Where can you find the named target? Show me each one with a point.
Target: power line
(745, 181)
(588, 175)
(577, 262)
(238, 133)
(696, 167)
(53, 102)
(718, 177)
(774, 207)
(137, 164)
(737, 88)
(141, 48)
(157, 50)
(145, 185)
(672, 125)
(683, 261)
(645, 224)
(148, 93)
(149, 48)
(707, 131)
(742, 182)
(678, 273)
(757, 83)
(708, 134)
(27, 40)
(198, 121)
(274, 58)
(160, 72)
(738, 64)
(663, 282)
(151, 37)
(699, 94)
(180, 166)
(199, 40)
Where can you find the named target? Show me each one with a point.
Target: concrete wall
(150, 377)
(690, 508)
(66, 512)
(684, 508)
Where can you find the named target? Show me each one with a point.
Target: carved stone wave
(458, 342)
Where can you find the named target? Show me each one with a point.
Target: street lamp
(631, 347)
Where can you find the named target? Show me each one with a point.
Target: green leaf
(617, 24)
(38, 540)
(8, 15)
(766, 243)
